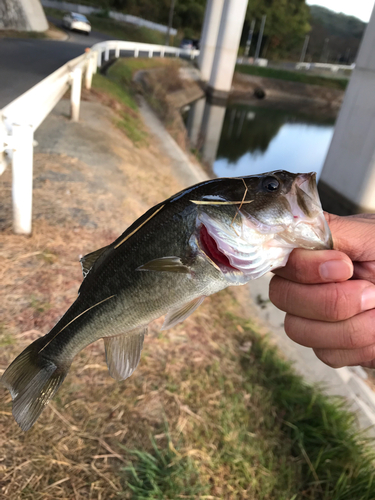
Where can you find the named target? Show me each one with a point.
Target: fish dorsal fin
(123, 352)
(181, 313)
(89, 260)
(170, 264)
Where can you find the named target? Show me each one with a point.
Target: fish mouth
(212, 251)
(309, 228)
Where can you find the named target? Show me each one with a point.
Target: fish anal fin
(179, 314)
(169, 264)
(123, 352)
(89, 260)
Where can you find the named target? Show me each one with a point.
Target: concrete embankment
(285, 94)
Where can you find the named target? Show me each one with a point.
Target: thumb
(354, 235)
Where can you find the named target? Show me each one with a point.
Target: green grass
(334, 460)
(129, 120)
(118, 85)
(162, 474)
(294, 76)
(115, 29)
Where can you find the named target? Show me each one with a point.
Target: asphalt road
(24, 62)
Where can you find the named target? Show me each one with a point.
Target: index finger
(316, 266)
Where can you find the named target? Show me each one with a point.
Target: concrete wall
(118, 16)
(349, 169)
(22, 15)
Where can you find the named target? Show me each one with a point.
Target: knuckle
(300, 271)
(367, 354)
(356, 334)
(337, 303)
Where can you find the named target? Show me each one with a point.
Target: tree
(286, 26)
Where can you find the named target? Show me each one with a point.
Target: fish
(218, 233)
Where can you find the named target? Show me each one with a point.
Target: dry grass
(69, 453)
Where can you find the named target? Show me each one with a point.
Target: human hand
(329, 295)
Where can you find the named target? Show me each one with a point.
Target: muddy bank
(282, 94)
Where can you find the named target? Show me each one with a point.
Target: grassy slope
(118, 87)
(294, 76)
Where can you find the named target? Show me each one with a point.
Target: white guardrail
(21, 118)
(332, 67)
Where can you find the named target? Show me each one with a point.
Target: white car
(74, 21)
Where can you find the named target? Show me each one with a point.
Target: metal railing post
(3, 144)
(75, 94)
(106, 54)
(136, 52)
(117, 51)
(89, 72)
(99, 58)
(22, 183)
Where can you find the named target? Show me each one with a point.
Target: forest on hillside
(333, 37)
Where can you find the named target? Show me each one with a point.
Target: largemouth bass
(212, 235)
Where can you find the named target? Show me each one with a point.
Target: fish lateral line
(72, 321)
(139, 227)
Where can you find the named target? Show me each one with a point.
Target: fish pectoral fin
(181, 313)
(87, 261)
(165, 264)
(123, 352)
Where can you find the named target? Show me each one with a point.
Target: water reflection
(243, 140)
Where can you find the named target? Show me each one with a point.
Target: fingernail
(335, 270)
(368, 298)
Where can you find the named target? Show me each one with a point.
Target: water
(242, 140)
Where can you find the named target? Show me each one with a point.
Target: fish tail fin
(32, 381)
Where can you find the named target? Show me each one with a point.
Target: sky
(359, 8)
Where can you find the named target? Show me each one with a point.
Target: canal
(240, 139)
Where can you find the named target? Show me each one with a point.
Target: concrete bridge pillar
(210, 31)
(347, 183)
(226, 50)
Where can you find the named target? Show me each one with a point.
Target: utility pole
(257, 51)
(325, 49)
(249, 38)
(304, 49)
(171, 12)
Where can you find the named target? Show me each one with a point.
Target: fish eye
(271, 184)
